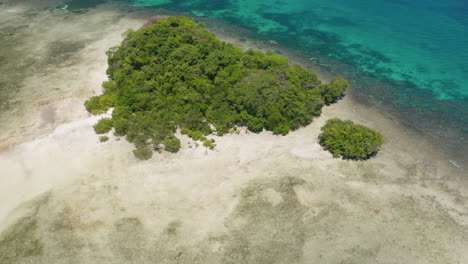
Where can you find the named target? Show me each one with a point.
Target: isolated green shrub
(103, 126)
(350, 141)
(103, 138)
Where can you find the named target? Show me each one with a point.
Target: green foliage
(98, 104)
(103, 138)
(334, 90)
(171, 144)
(175, 74)
(349, 140)
(209, 143)
(193, 134)
(143, 152)
(103, 126)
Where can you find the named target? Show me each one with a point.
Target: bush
(349, 140)
(195, 135)
(103, 138)
(333, 91)
(209, 143)
(171, 144)
(97, 105)
(143, 152)
(103, 126)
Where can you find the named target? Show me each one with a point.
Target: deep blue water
(409, 57)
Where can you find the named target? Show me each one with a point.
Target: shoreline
(229, 33)
(381, 89)
(218, 27)
(96, 191)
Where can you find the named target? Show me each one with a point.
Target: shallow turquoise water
(408, 56)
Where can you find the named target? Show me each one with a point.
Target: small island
(345, 139)
(175, 74)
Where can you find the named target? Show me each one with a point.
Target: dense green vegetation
(176, 74)
(334, 90)
(349, 140)
(103, 126)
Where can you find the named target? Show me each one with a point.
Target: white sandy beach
(256, 198)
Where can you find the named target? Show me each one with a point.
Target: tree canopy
(350, 141)
(176, 74)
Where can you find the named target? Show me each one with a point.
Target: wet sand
(257, 198)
